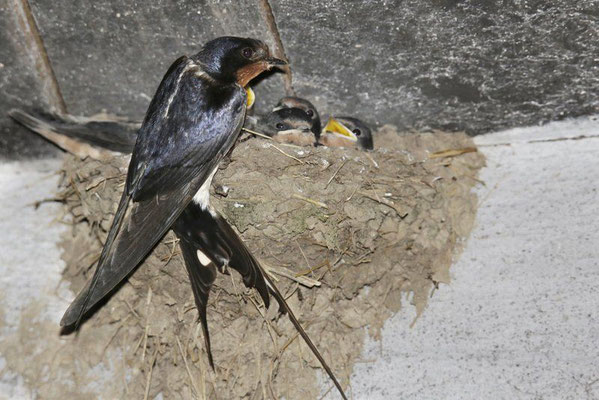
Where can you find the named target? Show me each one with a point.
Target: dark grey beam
(474, 65)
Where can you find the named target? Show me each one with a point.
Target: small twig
(132, 310)
(270, 378)
(148, 300)
(327, 392)
(292, 339)
(98, 181)
(267, 269)
(149, 377)
(376, 165)
(401, 213)
(269, 326)
(452, 152)
(262, 135)
(286, 154)
(303, 254)
(141, 339)
(315, 202)
(193, 385)
(302, 280)
(354, 192)
(38, 203)
(238, 293)
(307, 271)
(292, 146)
(116, 331)
(335, 174)
(173, 250)
(300, 354)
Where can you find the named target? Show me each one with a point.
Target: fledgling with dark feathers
(304, 105)
(288, 125)
(347, 132)
(192, 122)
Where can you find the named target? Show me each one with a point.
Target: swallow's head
(304, 105)
(287, 121)
(231, 59)
(348, 131)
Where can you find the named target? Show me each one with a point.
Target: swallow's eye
(357, 132)
(280, 126)
(310, 113)
(247, 52)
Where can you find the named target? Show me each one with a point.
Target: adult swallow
(206, 240)
(304, 105)
(202, 104)
(288, 125)
(200, 231)
(192, 122)
(346, 132)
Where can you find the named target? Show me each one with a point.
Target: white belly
(202, 197)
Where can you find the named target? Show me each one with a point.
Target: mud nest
(348, 235)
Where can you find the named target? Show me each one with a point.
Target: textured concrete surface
(459, 65)
(30, 263)
(520, 319)
(111, 55)
(20, 85)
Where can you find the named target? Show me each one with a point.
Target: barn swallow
(304, 105)
(288, 125)
(192, 122)
(346, 132)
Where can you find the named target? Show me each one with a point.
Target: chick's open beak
(338, 128)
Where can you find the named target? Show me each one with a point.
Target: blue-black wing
(190, 125)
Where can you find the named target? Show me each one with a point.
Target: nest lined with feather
(346, 234)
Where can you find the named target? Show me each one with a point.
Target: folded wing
(179, 144)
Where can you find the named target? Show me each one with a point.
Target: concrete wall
(474, 65)
(24, 80)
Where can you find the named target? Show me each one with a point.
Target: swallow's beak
(336, 127)
(251, 97)
(275, 62)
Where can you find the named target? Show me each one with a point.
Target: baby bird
(288, 125)
(346, 132)
(305, 106)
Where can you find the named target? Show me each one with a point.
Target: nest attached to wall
(348, 235)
